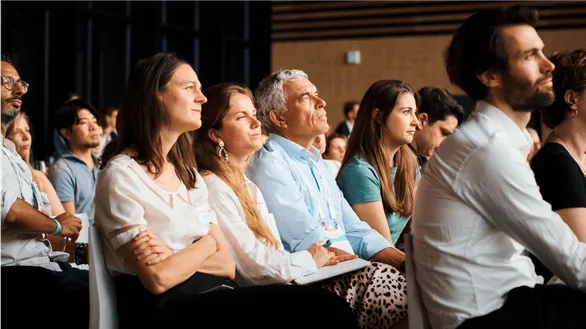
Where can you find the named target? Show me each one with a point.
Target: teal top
(360, 183)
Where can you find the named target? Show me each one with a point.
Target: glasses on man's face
(9, 83)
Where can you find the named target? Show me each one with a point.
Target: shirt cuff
(304, 260)
(8, 200)
(125, 237)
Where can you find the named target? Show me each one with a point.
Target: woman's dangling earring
(574, 113)
(222, 151)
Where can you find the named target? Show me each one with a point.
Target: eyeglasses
(9, 83)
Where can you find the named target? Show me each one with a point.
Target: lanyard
(322, 185)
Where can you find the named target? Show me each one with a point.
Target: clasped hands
(328, 256)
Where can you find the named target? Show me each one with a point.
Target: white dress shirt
(127, 196)
(256, 263)
(477, 209)
(19, 248)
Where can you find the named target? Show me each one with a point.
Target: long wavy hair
(367, 139)
(141, 117)
(212, 115)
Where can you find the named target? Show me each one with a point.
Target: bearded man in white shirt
(478, 207)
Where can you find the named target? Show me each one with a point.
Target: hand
(146, 247)
(70, 226)
(321, 256)
(341, 258)
(337, 252)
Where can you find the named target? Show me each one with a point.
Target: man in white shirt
(478, 206)
(37, 284)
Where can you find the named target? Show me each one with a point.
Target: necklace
(576, 159)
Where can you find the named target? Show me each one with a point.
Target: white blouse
(126, 196)
(256, 263)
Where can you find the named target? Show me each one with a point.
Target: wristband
(58, 229)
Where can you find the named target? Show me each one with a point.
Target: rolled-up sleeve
(8, 198)
(297, 226)
(118, 205)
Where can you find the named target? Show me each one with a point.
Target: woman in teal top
(379, 172)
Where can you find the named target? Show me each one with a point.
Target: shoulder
(358, 166)
(271, 158)
(215, 184)
(119, 168)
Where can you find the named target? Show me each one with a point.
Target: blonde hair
(212, 114)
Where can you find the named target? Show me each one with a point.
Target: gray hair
(270, 96)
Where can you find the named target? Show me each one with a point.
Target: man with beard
(478, 206)
(37, 283)
(74, 174)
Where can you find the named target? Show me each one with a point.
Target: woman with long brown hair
(379, 171)
(229, 136)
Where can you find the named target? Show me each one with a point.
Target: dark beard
(524, 96)
(92, 145)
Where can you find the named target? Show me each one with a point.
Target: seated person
(74, 174)
(439, 114)
(385, 126)
(560, 165)
(37, 283)
(350, 111)
(301, 192)
(169, 257)
(478, 209)
(335, 150)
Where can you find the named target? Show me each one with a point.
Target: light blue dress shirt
(295, 183)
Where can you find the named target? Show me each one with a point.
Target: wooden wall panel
(414, 59)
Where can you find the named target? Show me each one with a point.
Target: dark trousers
(34, 297)
(541, 307)
(189, 306)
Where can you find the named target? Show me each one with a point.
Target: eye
(189, 88)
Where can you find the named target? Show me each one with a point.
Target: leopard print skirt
(377, 294)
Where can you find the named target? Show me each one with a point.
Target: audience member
(34, 278)
(350, 112)
(439, 114)
(109, 125)
(320, 143)
(335, 147)
(379, 171)
(59, 143)
(74, 174)
(478, 206)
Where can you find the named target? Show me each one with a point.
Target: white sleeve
(118, 204)
(256, 262)
(510, 200)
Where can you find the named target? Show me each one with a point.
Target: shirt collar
(8, 144)
(295, 150)
(70, 155)
(519, 138)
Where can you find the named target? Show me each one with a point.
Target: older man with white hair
(307, 205)
(299, 188)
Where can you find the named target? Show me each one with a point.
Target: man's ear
(277, 119)
(66, 133)
(423, 119)
(214, 136)
(490, 78)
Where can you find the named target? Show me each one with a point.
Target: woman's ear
(214, 136)
(376, 115)
(570, 99)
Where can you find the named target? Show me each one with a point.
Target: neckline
(150, 181)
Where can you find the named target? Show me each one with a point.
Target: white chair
(103, 314)
(417, 314)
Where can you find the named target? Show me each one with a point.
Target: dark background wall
(89, 47)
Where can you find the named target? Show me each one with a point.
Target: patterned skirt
(377, 294)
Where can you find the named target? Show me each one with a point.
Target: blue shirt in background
(73, 181)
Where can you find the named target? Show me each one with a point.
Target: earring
(574, 113)
(222, 151)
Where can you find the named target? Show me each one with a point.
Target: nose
(415, 121)
(547, 65)
(200, 97)
(18, 89)
(321, 103)
(26, 136)
(255, 123)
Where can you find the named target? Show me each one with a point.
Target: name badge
(338, 239)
